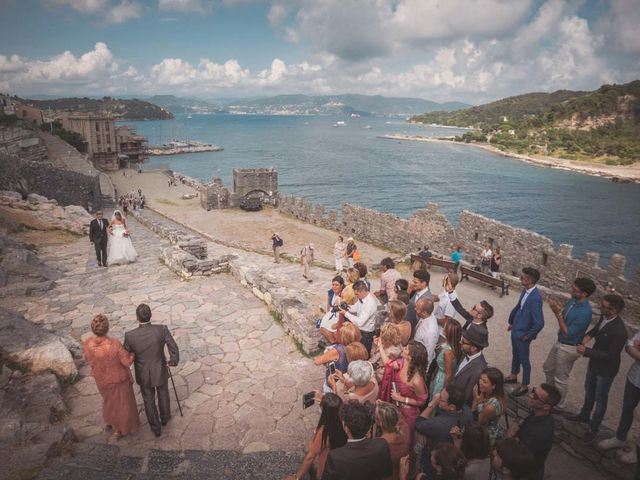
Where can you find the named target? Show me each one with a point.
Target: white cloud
(107, 10)
(11, 64)
(124, 11)
(624, 24)
(204, 7)
(82, 6)
(277, 13)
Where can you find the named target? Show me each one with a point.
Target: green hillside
(601, 126)
(129, 109)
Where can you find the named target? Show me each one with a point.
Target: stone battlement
(247, 182)
(520, 247)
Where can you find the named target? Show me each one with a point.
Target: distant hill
(338, 104)
(514, 108)
(184, 105)
(603, 125)
(126, 109)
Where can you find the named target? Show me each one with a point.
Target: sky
(472, 51)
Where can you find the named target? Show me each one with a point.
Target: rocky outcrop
(31, 423)
(41, 213)
(19, 265)
(29, 347)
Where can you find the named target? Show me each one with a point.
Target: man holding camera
(363, 313)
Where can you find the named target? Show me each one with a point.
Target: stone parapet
(569, 435)
(520, 247)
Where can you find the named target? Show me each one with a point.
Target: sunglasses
(535, 396)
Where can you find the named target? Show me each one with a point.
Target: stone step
(87, 461)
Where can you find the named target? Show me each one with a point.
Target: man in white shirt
(363, 313)
(420, 288)
(427, 331)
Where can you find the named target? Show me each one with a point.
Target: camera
(340, 306)
(308, 399)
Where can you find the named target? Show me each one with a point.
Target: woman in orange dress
(110, 364)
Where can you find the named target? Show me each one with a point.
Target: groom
(98, 237)
(147, 343)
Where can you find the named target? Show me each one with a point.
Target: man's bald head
(424, 307)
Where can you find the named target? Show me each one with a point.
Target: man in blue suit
(525, 322)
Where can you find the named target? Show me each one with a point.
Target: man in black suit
(419, 289)
(98, 236)
(474, 340)
(361, 458)
(147, 343)
(610, 336)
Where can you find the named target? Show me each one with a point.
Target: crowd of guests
(132, 201)
(408, 392)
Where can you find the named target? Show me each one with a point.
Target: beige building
(7, 105)
(30, 114)
(99, 133)
(131, 146)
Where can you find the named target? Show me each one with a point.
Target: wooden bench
(488, 279)
(438, 262)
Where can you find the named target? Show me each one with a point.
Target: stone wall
(569, 436)
(262, 181)
(187, 256)
(519, 247)
(68, 188)
(247, 180)
(21, 142)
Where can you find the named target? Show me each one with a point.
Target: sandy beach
(621, 172)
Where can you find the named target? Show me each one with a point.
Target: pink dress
(110, 364)
(409, 412)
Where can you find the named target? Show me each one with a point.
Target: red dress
(409, 412)
(110, 364)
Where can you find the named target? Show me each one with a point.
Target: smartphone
(332, 368)
(308, 399)
(394, 387)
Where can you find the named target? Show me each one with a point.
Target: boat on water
(367, 127)
(176, 147)
(189, 116)
(340, 123)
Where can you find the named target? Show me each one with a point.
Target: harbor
(176, 147)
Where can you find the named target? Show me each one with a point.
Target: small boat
(340, 123)
(189, 116)
(367, 127)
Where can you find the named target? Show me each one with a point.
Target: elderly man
(573, 320)
(525, 322)
(363, 313)
(427, 331)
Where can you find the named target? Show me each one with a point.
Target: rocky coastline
(616, 173)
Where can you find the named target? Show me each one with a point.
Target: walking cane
(175, 391)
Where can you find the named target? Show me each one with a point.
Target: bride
(119, 249)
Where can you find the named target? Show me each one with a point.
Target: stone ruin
(520, 247)
(247, 183)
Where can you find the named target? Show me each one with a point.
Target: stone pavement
(240, 378)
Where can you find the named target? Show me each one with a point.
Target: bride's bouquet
(125, 234)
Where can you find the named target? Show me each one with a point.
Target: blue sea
(350, 164)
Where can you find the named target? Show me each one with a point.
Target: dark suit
(526, 321)
(604, 363)
(98, 237)
(465, 314)
(468, 376)
(368, 459)
(147, 343)
(411, 309)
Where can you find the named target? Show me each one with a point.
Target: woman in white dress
(119, 249)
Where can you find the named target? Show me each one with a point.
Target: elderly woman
(395, 432)
(110, 364)
(328, 435)
(358, 384)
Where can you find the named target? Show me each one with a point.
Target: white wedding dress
(119, 248)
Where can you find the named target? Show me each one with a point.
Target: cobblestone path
(240, 378)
